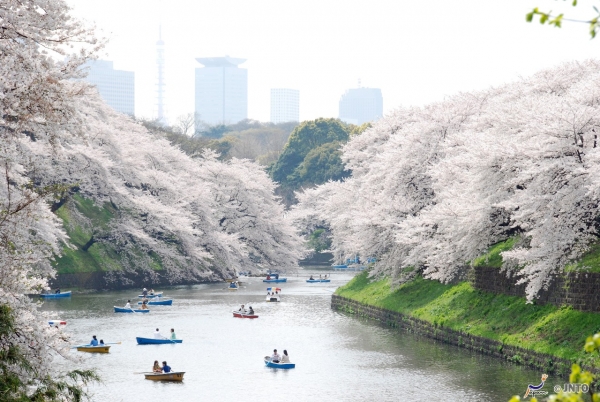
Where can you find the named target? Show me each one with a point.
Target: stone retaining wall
(118, 280)
(546, 363)
(579, 290)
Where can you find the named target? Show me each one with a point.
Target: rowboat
(57, 322)
(272, 298)
(55, 295)
(273, 294)
(244, 315)
(152, 341)
(275, 280)
(233, 286)
(129, 310)
(317, 280)
(93, 349)
(340, 266)
(270, 364)
(151, 296)
(172, 376)
(159, 302)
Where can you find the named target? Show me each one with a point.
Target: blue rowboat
(56, 295)
(317, 280)
(159, 302)
(270, 364)
(340, 266)
(275, 280)
(152, 341)
(149, 296)
(129, 310)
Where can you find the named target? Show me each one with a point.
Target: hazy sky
(417, 52)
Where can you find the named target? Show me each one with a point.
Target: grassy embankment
(100, 256)
(557, 331)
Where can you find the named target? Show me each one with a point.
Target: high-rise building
(361, 105)
(116, 87)
(285, 105)
(221, 90)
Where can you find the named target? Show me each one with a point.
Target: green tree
(306, 137)
(320, 165)
(319, 240)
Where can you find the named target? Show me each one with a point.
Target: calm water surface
(338, 357)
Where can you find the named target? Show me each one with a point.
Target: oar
(111, 343)
(143, 372)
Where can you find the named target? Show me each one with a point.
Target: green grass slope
(546, 329)
(100, 256)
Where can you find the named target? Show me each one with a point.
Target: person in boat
(101, 342)
(173, 336)
(94, 341)
(285, 358)
(320, 277)
(242, 309)
(250, 310)
(156, 368)
(144, 306)
(268, 277)
(145, 292)
(57, 291)
(311, 278)
(152, 291)
(275, 358)
(128, 304)
(166, 368)
(158, 335)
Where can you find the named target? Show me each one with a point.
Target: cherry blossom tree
(38, 98)
(433, 187)
(203, 218)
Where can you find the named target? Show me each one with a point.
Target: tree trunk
(89, 243)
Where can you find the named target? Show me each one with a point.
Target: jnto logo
(533, 390)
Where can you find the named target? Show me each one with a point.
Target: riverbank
(543, 336)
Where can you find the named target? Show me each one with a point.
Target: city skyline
(409, 50)
(361, 105)
(116, 87)
(221, 90)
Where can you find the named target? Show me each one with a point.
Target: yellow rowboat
(93, 349)
(172, 376)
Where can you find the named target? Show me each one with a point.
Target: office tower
(116, 87)
(221, 90)
(361, 105)
(285, 105)
(160, 84)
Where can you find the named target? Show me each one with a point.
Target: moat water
(338, 356)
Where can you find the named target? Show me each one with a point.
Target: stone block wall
(580, 290)
(546, 363)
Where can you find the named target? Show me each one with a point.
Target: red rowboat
(244, 315)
